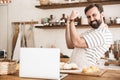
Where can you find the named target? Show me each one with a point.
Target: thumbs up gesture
(74, 14)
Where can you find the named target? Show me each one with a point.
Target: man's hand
(5, 1)
(74, 15)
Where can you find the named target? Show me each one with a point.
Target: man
(90, 46)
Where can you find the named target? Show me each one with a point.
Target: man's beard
(95, 23)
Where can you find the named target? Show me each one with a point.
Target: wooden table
(108, 75)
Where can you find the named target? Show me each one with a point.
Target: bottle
(77, 21)
(63, 19)
(111, 54)
(50, 20)
(117, 20)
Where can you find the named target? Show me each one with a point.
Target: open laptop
(40, 63)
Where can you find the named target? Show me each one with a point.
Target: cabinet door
(3, 27)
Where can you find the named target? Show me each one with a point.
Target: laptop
(40, 63)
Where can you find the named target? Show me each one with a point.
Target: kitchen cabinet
(71, 5)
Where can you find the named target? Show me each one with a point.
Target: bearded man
(91, 45)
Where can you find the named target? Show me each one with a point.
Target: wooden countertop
(108, 75)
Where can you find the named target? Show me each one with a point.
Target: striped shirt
(98, 41)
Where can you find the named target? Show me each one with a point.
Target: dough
(90, 69)
(68, 66)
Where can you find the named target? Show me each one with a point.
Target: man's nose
(91, 18)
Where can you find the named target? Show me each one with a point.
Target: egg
(74, 66)
(67, 66)
(62, 65)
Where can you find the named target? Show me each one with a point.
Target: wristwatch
(71, 20)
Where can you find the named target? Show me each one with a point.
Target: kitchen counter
(108, 75)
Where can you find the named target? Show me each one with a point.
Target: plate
(70, 71)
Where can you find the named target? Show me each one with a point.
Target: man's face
(94, 17)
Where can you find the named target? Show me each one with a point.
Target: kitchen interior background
(24, 10)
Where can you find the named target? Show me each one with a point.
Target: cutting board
(97, 74)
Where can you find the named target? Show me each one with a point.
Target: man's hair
(99, 7)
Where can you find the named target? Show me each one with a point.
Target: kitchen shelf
(50, 27)
(71, 5)
(80, 26)
(26, 22)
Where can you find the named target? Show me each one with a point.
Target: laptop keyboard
(63, 76)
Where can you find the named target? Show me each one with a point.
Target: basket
(7, 67)
(44, 2)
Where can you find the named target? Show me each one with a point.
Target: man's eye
(88, 17)
(94, 15)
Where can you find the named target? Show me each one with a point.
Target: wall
(57, 36)
(24, 10)
(3, 26)
(21, 10)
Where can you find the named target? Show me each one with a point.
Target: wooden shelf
(26, 22)
(50, 27)
(80, 4)
(80, 26)
(114, 25)
(60, 27)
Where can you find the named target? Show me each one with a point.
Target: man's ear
(102, 14)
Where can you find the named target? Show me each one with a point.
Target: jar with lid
(63, 20)
(77, 21)
(117, 20)
(50, 20)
